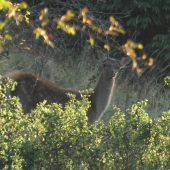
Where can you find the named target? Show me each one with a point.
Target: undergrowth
(52, 138)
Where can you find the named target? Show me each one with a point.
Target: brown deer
(31, 89)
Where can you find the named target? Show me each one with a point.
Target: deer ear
(100, 54)
(125, 61)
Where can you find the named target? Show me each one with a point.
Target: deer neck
(101, 97)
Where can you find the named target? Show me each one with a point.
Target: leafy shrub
(133, 140)
(52, 138)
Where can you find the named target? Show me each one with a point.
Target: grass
(128, 92)
(84, 72)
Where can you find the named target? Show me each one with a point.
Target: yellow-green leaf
(134, 64)
(140, 46)
(151, 60)
(45, 11)
(7, 36)
(28, 13)
(37, 35)
(23, 5)
(2, 25)
(70, 14)
(112, 19)
(72, 31)
(91, 40)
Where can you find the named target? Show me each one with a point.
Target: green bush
(134, 141)
(52, 138)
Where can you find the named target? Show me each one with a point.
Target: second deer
(31, 89)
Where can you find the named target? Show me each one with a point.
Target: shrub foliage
(52, 138)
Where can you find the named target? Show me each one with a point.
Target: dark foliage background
(145, 21)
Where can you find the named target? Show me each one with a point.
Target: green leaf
(23, 5)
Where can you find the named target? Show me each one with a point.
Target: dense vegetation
(50, 138)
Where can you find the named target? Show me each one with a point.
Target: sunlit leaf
(122, 31)
(144, 56)
(111, 28)
(5, 5)
(107, 47)
(130, 43)
(51, 44)
(84, 19)
(42, 32)
(134, 65)
(131, 53)
(112, 19)
(58, 26)
(2, 25)
(37, 35)
(45, 11)
(28, 13)
(91, 40)
(70, 14)
(7, 36)
(61, 23)
(94, 27)
(12, 13)
(41, 17)
(27, 48)
(27, 20)
(63, 17)
(89, 21)
(109, 33)
(151, 60)
(23, 5)
(84, 11)
(72, 31)
(140, 46)
(45, 37)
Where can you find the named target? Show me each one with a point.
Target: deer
(32, 89)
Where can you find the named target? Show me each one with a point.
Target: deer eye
(104, 65)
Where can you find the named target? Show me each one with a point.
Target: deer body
(31, 89)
